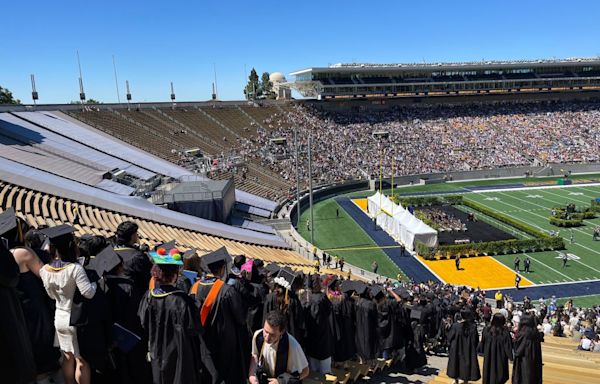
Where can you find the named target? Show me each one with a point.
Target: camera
(261, 374)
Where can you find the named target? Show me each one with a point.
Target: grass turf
(581, 301)
(460, 186)
(343, 232)
(533, 207)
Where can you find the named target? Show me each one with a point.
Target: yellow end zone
(362, 203)
(483, 271)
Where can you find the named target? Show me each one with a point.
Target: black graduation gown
(171, 324)
(344, 315)
(136, 265)
(254, 317)
(385, 321)
(366, 329)
(295, 314)
(38, 310)
(497, 350)
(319, 327)
(415, 351)
(122, 297)
(462, 353)
(183, 284)
(93, 321)
(527, 367)
(224, 334)
(17, 362)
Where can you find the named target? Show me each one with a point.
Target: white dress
(61, 285)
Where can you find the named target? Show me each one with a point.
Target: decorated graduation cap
(105, 261)
(167, 254)
(332, 282)
(285, 278)
(215, 259)
(168, 245)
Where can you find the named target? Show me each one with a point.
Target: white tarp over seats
(400, 223)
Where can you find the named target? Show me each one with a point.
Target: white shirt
(586, 344)
(296, 358)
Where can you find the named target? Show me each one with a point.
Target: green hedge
(541, 242)
(595, 206)
(565, 223)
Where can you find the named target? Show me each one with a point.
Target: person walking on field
(527, 264)
(517, 263)
(375, 266)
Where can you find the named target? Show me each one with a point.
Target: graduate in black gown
(344, 312)
(222, 320)
(385, 321)
(37, 306)
(463, 339)
(366, 324)
(170, 322)
(284, 298)
(527, 366)
(136, 263)
(17, 362)
(121, 297)
(319, 327)
(496, 346)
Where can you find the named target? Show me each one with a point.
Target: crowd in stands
(441, 219)
(429, 139)
(101, 312)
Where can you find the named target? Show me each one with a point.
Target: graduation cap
(360, 287)
(105, 261)
(8, 221)
(376, 291)
(347, 286)
(273, 268)
(167, 253)
(215, 259)
(402, 292)
(54, 234)
(333, 282)
(285, 278)
(168, 245)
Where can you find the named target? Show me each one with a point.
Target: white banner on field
(400, 223)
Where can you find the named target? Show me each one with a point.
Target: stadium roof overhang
(436, 67)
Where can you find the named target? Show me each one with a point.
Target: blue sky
(158, 42)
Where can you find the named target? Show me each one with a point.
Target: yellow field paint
(362, 203)
(483, 271)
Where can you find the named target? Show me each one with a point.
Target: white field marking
(575, 193)
(537, 226)
(567, 197)
(549, 284)
(511, 270)
(492, 198)
(549, 267)
(556, 202)
(570, 256)
(535, 196)
(577, 261)
(533, 188)
(597, 193)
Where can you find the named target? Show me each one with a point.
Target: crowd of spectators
(429, 139)
(442, 220)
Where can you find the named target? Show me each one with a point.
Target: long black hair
(497, 324)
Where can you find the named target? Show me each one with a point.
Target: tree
(88, 101)
(253, 87)
(266, 87)
(6, 97)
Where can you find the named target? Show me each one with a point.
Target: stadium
(398, 175)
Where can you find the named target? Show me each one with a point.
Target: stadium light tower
(128, 95)
(81, 91)
(297, 177)
(172, 95)
(34, 93)
(310, 192)
(380, 136)
(116, 80)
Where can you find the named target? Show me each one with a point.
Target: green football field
(531, 206)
